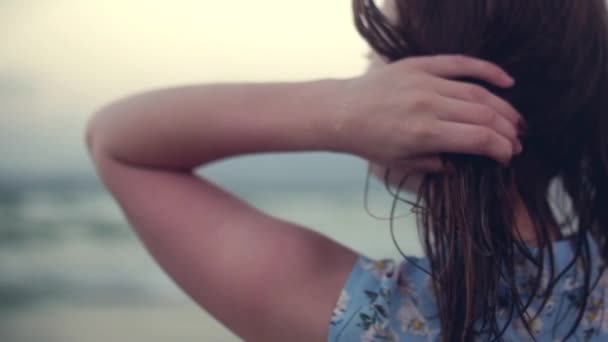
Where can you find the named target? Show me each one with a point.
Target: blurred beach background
(71, 270)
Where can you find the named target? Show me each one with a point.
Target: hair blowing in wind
(557, 51)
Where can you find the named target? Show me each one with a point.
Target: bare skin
(412, 183)
(223, 251)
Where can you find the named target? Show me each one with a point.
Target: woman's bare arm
(184, 127)
(266, 279)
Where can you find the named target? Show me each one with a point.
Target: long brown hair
(557, 51)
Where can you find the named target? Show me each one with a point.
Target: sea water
(71, 269)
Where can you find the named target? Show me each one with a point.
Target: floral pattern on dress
(340, 308)
(379, 332)
(535, 324)
(412, 320)
(379, 268)
(389, 301)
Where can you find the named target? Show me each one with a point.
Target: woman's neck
(525, 225)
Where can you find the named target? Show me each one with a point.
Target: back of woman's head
(557, 51)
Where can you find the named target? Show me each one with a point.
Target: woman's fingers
(453, 66)
(406, 173)
(422, 164)
(436, 136)
(475, 93)
(473, 113)
(436, 113)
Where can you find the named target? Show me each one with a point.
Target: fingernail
(522, 127)
(509, 81)
(520, 148)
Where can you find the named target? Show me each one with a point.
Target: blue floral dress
(389, 301)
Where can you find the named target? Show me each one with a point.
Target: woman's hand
(405, 113)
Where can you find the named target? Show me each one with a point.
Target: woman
(481, 105)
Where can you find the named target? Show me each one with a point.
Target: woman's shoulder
(556, 313)
(568, 270)
(384, 299)
(389, 299)
(389, 273)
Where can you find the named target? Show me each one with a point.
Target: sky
(62, 59)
